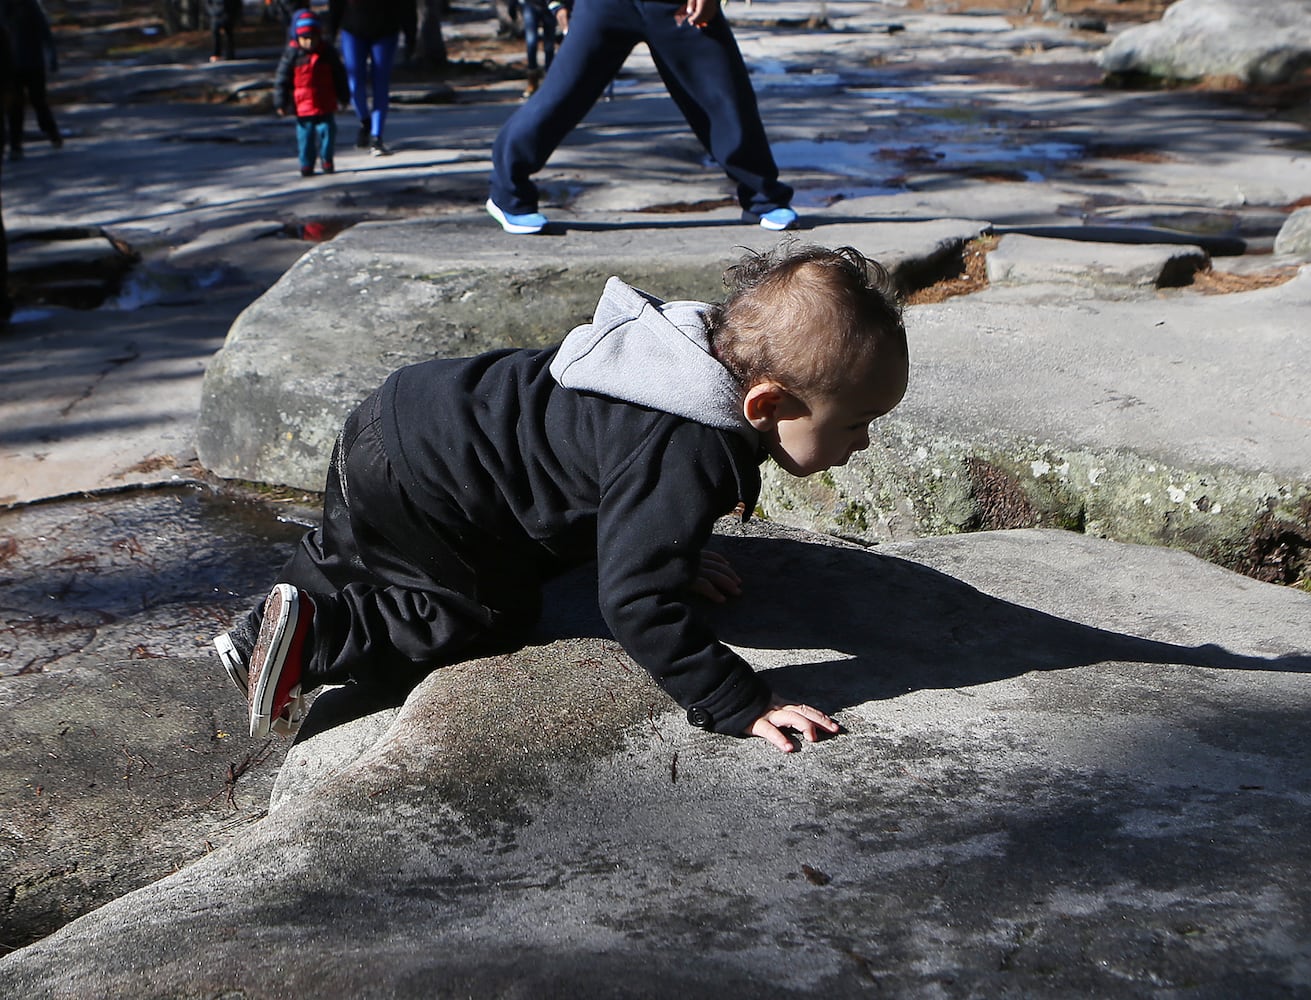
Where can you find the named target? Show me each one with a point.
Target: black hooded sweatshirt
(624, 444)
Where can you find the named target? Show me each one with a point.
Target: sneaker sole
(507, 225)
(231, 661)
(769, 224)
(275, 635)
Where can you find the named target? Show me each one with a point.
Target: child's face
(307, 41)
(805, 438)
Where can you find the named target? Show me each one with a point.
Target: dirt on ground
(1108, 10)
(973, 277)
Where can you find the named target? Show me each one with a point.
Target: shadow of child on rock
(902, 626)
(894, 626)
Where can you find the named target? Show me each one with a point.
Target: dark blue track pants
(701, 67)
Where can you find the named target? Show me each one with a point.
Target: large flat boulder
(1073, 393)
(1092, 267)
(1294, 236)
(1172, 418)
(384, 295)
(1255, 43)
(1070, 767)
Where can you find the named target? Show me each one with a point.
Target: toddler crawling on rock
(461, 485)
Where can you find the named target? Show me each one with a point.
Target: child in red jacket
(311, 83)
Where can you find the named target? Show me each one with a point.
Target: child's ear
(766, 403)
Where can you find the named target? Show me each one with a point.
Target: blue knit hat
(305, 23)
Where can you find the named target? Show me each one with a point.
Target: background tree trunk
(430, 51)
(181, 15)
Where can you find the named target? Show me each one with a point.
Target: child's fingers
(805, 720)
(772, 735)
(800, 718)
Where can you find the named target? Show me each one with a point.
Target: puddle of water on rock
(862, 158)
(776, 74)
(908, 99)
(824, 197)
(152, 286)
(953, 135)
(30, 316)
(161, 556)
(108, 552)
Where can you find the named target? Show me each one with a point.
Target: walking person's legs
(14, 113)
(6, 303)
(531, 35)
(706, 76)
(601, 34)
(45, 118)
(530, 32)
(355, 56)
(548, 40)
(382, 54)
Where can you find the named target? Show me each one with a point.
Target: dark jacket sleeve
(657, 511)
(339, 80)
(336, 11)
(284, 80)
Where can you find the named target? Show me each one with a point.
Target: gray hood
(656, 354)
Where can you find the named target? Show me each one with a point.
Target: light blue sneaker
(777, 220)
(533, 222)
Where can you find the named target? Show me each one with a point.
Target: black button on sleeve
(700, 718)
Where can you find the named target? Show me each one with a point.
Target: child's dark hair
(806, 317)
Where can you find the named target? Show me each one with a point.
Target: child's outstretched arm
(811, 723)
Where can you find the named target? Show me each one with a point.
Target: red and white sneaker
(278, 661)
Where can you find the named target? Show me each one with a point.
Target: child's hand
(716, 579)
(282, 112)
(811, 723)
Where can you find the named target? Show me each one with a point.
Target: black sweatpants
(701, 67)
(399, 591)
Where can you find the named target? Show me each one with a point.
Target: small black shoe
(362, 137)
(376, 148)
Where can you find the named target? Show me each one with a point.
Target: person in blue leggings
(370, 33)
(702, 68)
